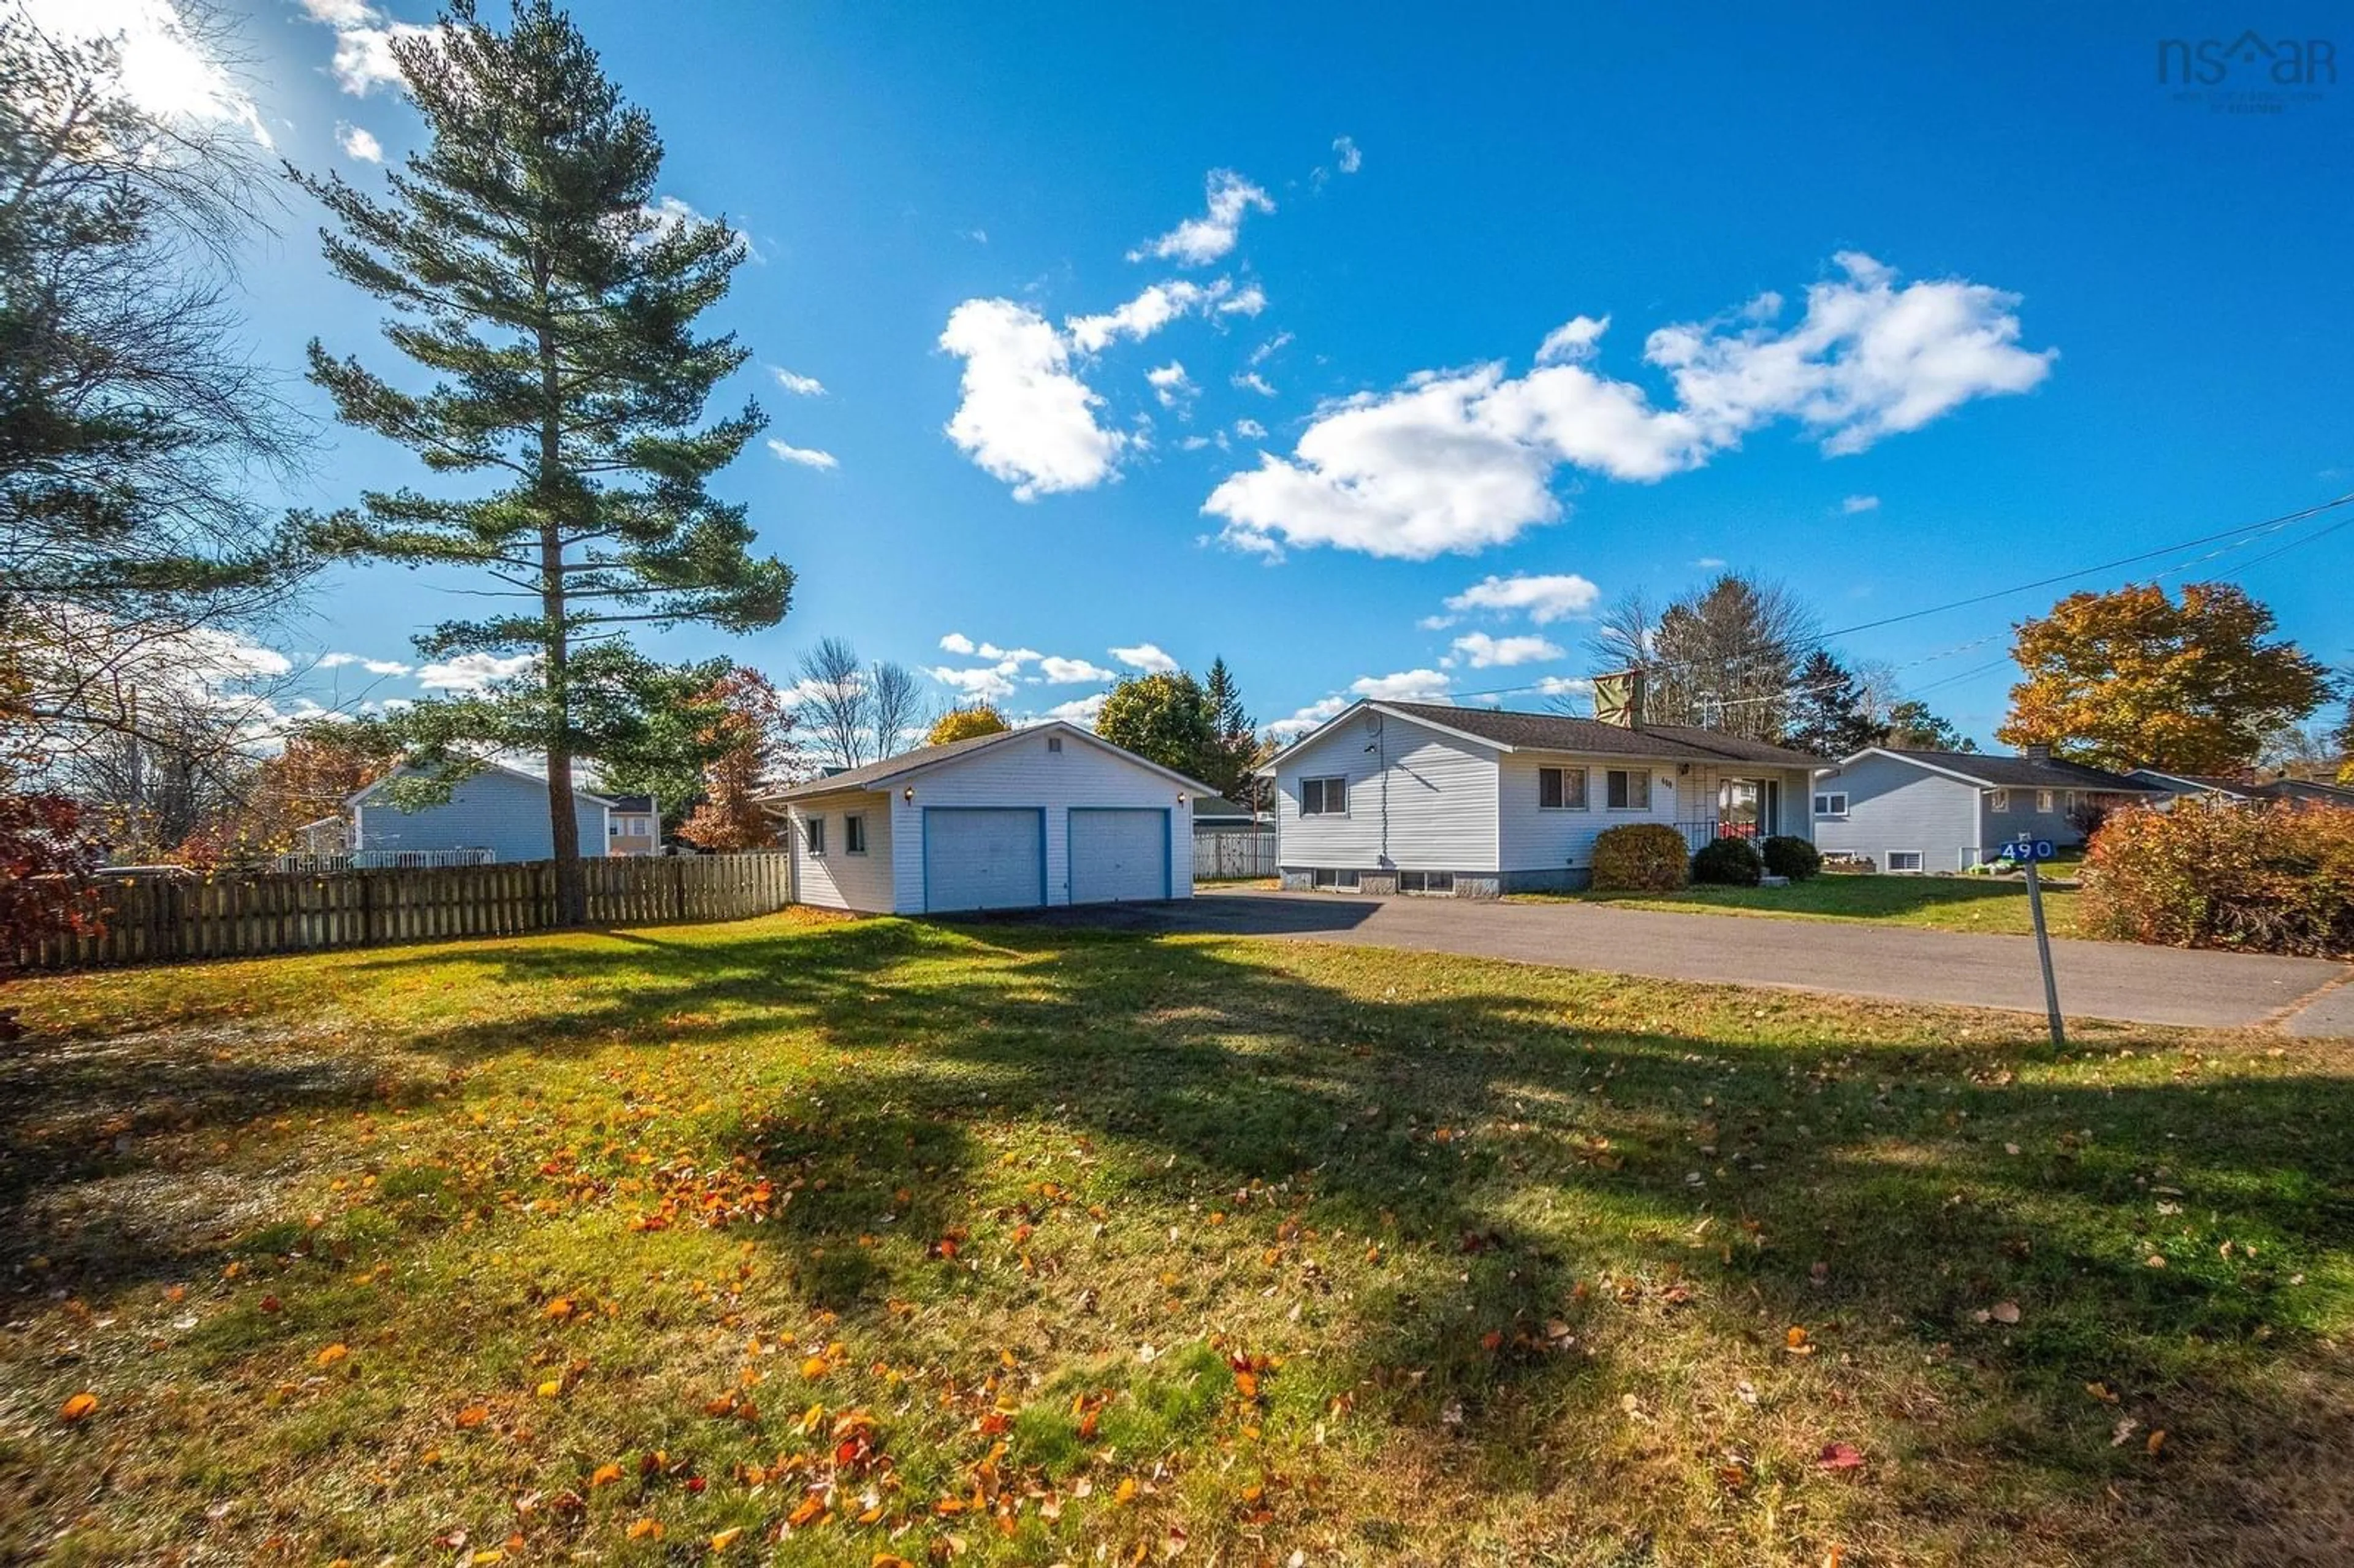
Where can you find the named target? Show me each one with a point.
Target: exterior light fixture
(909, 794)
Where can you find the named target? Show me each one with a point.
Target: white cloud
(472, 671)
(1017, 656)
(806, 456)
(1345, 149)
(1437, 622)
(1200, 240)
(162, 67)
(373, 666)
(1855, 503)
(1078, 710)
(987, 681)
(1307, 718)
(359, 143)
(1406, 686)
(1145, 656)
(1484, 652)
(1172, 385)
(1252, 381)
(1140, 318)
(1057, 671)
(957, 642)
(1710, 562)
(1575, 340)
(1457, 460)
(364, 38)
(1543, 599)
(1562, 686)
(1250, 429)
(1248, 301)
(799, 385)
(1024, 418)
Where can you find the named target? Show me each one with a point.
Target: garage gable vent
(1054, 743)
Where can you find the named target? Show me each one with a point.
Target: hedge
(1728, 863)
(1639, 857)
(1792, 857)
(2263, 879)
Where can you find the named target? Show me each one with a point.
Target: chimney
(1619, 698)
(2039, 752)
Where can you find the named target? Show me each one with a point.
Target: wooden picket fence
(147, 920)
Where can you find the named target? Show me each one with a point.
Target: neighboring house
(1049, 814)
(1218, 814)
(1424, 797)
(2204, 786)
(1949, 810)
(2306, 792)
(498, 809)
(633, 825)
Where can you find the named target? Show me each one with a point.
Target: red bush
(2265, 879)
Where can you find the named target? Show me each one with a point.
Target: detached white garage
(1052, 814)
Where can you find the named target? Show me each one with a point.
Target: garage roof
(891, 769)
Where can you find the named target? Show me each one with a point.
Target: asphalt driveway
(2097, 979)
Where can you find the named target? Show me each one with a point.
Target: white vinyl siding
(494, 810)
(1895, 803)
(1026, 772)
(846, 881)
(1424, 799)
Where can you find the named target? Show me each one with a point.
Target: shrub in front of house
(2263, 879)
(1639, 857)
(1728, 863)
(1792, 857)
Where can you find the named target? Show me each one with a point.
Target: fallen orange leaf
(332, 1354)
(726, 1538)
(474, 1415)
(605, 1475)
(80, 1406)
(812, 1507)
(641, 1529)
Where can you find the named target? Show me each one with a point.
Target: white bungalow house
(1425, 797)
(1949, 810)
(1022, 819)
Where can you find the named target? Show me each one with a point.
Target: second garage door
(1119, 855)
(977, 858)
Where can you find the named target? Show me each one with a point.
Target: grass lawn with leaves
(833, 1241)
(1988, 903)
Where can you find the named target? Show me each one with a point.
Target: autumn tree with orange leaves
(2134, 679)
(749, 738)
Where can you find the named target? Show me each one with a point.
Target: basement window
(1427, 882)
(1904, 860)
(1331, 881)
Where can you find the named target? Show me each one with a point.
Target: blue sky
(1895, 310)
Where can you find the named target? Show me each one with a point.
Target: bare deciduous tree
(895, 700)
(833, 702)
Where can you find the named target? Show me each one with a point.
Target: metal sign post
(2027, 852)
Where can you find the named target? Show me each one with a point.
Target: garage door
(1119, 855)
(983, 859)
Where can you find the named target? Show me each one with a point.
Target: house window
(1336, 880)
(1428, 880)
(813, 834)
(1054, 743)
(2001, 800)
(1831, 805)
(1630, 791)
(853, 833)
(1323, 797)
(1560, 788)
(2043, 801)
(613, 827)
(1904, 860)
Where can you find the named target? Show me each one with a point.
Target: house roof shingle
(1559, 731)
(874, 773)
(2023, 772)
(631, 802)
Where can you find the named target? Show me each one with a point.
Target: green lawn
(1996, 903)
(878, 1241)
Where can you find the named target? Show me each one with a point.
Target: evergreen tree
(1829, 715)
(1234, 747)
(555, 312)
(1913, 727)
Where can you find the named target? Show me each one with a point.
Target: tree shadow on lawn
(1521, 1155)
(1523, 1159)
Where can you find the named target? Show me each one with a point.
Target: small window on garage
(1324, 797)
(1904, 860)
(853, 833)
(1631, 790)
(1560, 788)
(1439, 882)
(813, 834)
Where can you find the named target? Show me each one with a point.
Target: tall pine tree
(1234, 749)
(1829, 714)
(555, 312)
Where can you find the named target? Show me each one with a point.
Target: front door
(1738, 803)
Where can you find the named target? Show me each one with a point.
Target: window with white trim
(1833, 804)
(813, 835)
(1630, 790)
(2044, 798)
(2001, 801)
(1426, 882)
(1904, 860)
(1335, 881)
(853, 833)
(1560, 788)
(1324, 797)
